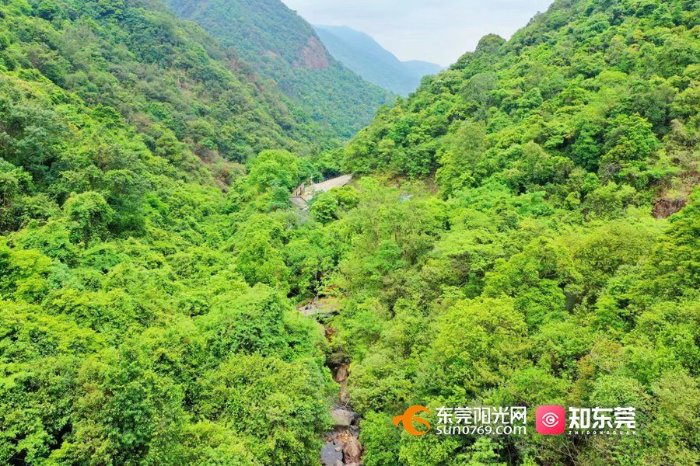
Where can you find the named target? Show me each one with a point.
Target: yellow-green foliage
(147, 316)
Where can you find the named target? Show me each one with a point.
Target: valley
(221, 246)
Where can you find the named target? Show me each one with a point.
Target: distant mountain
(422, 68)
(366, 57)
(283, 47)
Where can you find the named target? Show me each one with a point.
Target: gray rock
(319, 307)
(332, 454)
(342, 417)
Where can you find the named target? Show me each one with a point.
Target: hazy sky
(439, 31)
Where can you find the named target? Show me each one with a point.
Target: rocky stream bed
(342, 445)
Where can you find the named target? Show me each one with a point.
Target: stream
(342, 445)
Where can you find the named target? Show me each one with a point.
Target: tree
(89, 215)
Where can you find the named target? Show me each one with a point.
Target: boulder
(332, 454)
(342, 374)
(342, 417)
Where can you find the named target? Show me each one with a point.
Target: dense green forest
(524, 230)
(284, 48)
(537, 273)
(122, 259)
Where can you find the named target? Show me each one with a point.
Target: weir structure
(303, 194)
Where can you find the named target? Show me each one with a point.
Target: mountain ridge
(364, 55)
(283, 48)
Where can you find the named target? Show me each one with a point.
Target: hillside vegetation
(283, 48)
(121, 302)
(531, 269)
(525, 230)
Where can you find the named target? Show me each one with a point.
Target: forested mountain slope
(524, 266)
(120, 301)
(160, 73)
(575, 82)
(526, 232)
(362, 54)
(284, 48)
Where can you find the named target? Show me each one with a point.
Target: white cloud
(439, 31)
